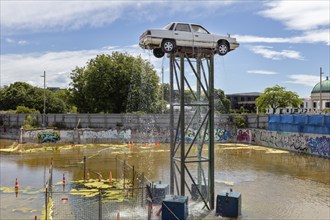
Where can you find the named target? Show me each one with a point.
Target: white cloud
(267, 52)
(313, 36)
(299, 14)
(310, 18)
(40, 15)
(262, 72)
(63, 15)
(303, 79)
(20, 42)
(58, 65)
(9, 40)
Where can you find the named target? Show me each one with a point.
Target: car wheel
(158, 52)
(168, 46)
(222, 48)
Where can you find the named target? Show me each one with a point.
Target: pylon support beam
(194, 130)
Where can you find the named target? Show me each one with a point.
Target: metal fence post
(84, 169)
(51, 174)
(133, 177)
(100, 204)
(142, 185)
(116, 169)
(46, 204)
(124, 173)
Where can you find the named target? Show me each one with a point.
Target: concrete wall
(155, 128)
(316, 144)
(108, 121)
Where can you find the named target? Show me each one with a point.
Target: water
(274, 184)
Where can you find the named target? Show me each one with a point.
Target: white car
(177, 35)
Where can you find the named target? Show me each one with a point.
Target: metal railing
(128, 198)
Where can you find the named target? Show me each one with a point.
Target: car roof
(181, 22)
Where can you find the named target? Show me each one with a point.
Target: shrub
(26, 110)
(241, 121)
(30, 123)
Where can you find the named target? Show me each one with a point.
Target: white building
(312, 104)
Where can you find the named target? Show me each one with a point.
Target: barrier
(312, 124)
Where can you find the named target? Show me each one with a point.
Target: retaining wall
(108, 121)
(150, 129)
(315, 144)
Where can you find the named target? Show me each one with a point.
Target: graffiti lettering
(48, 136)
(319, 145)
(243, 135)
(306, 143)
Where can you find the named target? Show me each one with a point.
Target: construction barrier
(312, 124)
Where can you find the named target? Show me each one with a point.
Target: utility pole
(321, 89)
(162, 88)
(44, 113)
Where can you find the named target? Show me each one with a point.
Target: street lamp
(321, 89)
(44, 113)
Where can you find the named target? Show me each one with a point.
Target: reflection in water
(274, 184)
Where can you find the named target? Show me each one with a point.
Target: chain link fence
(123, 197)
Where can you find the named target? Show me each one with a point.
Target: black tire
(222, 48)
(168, 46)
(158, 52)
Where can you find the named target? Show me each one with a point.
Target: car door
(183, 35)
(202, 38)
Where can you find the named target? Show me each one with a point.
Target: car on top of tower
(177, 35)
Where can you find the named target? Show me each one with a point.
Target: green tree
(221, 103)
(78, 90)
(65, 96)
(115, 83)
(26, 110)
(165, 90)
(24, 94)
(277, 97)
(30, 123)
(14, 95)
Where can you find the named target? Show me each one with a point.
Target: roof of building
(325, 86)
(245, 94)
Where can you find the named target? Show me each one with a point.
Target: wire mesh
(125, 199)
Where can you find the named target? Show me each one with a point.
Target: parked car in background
(178, 35)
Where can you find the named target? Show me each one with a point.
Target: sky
(281, 42)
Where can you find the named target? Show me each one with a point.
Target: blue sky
(281, 42)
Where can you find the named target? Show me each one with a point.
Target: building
(54, 89)
(321, 91)
(247, 100)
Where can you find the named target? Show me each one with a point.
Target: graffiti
(243, 135)
(48, 136)
(108, 134)
(305, 143)
(319, 145)
(221, 135)
(298, 142)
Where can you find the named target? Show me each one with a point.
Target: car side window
(172, 26)
(182, 27)
(199, 29)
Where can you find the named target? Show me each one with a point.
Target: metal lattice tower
(192, 158)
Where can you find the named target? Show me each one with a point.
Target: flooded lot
(274, 184)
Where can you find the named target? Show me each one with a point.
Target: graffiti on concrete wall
(306, 143)
(319, 145)
(220, 135)
(244, 135)
(48, 137)
(107, 134)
